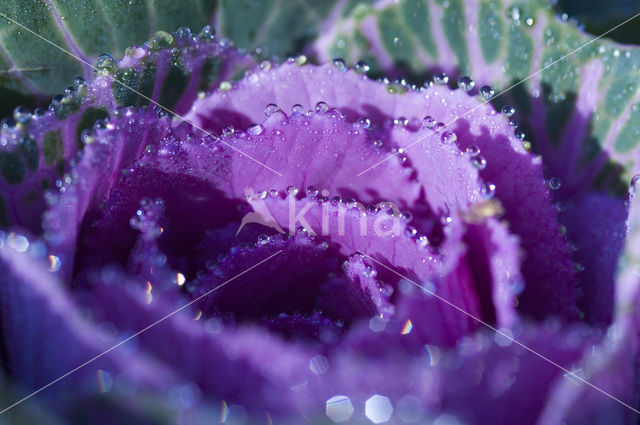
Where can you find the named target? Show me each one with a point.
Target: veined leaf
(32, 69)
(578, 105)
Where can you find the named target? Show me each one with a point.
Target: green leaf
(579, 103)
(32, 69)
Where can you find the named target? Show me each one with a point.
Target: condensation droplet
(339, 63)
(635, 184)
(488, 190)
(554, 183)
(487, 92)
(361, 67)
(255, 130)
(429, 122)
(479, 162)
(448, 137)
(441, 78)
(297, 109)
(473, 150)
(466, 83)
(508, 111)
(321, 107)
(270, 109)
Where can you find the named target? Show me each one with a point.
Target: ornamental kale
(198, 234)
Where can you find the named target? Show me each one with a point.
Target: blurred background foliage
(599, 16)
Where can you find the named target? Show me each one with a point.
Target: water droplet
(479, 162)
(265, 65)
(184, 33)
(411, 231)
(106, 62)
(554, 183)
(321, 107)
(488, 190)
(350, 203)
(161, 40)
(487, 92)
(400, 122)
(270, 109)
(297, 109)
(263, 239)
(473, 150)
(406, 216)
(361, 67)
(22, 114)
(255, 130)
(635, 184)
(466, 83)
(423, 241)
(520, 134)
(370, 272)
(514, 13)
(429, 122)
(208, 33)
(339, 63)
(441, 78)
(508, 111)
(312, 191)
(364, 123)
(372, 209)
(292, 191)
(228, 131)
(448, 137)
(8, 122)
